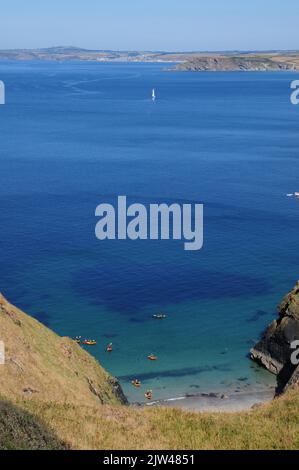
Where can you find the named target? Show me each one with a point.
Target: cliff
(250, 62)
(274, 350)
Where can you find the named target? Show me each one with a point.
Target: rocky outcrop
(118, 391)
(274, 350)
(293, 381)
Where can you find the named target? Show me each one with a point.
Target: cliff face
(40, 364)
(262, 62)
(274, 350)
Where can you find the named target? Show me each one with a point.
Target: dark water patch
(42, 317)
(15, 294)
(137, 320)
(26, 306)
(95, 303)
(44, 296)
(110, 335)
(126, 288)
(258, 314)
(177, 372)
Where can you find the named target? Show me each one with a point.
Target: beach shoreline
(216, 402)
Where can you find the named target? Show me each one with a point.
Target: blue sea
(74, 135)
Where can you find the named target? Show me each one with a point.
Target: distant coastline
(186, 61)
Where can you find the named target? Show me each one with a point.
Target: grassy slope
(63, 412)
(42, 365)
(23, 431)
(272, 426)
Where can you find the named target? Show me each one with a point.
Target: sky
(170, 25)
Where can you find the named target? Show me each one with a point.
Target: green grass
(271, 426)
(19, 430)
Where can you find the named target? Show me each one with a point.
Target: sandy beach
(241, 401)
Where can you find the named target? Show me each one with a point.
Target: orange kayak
(90, 342)
(136, 383)
(152, 357)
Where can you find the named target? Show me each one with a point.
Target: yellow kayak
(90, 342)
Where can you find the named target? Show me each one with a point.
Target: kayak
(148, 394)
(152, 357)
(136, 383)
(90, 342)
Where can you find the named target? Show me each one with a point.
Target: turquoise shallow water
(74, 135)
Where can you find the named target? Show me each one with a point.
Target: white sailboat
(153, 95)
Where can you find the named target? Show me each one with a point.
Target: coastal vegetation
(54, 395)
(272, 426)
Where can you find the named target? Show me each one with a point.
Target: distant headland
(185, 61)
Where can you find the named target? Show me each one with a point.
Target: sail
(153, 94)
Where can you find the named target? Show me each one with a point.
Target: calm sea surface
(73, 135)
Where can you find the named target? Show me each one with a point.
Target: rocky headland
(275, 349)
(245, 63)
